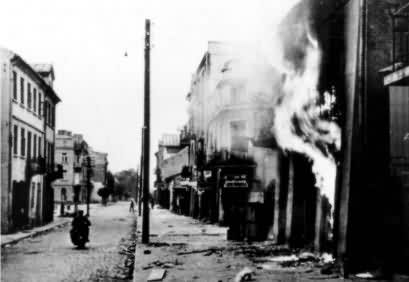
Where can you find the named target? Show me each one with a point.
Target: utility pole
(146, 135)
(141, 175)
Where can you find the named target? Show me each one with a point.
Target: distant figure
(151, 200)
(132, 206)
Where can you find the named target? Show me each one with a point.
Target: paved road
(52, 257)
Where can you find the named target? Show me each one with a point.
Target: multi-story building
(27, 142)
(72, 152)
(171, 158)
(236, 162)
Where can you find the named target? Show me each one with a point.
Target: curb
(35, 233)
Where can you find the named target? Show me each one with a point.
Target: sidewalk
(189, 250)
(185, 249)
(16, 237)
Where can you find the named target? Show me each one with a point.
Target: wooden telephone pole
(146, 137)
(140, 192)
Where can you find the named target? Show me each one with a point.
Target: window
(38, 195)
(14, 85)
(51, 154)
(22, 90)
(239, 141)
(52, 116)
(34, 100)
(46, 153)
(45, 112)
(28, 95)
(40, 97)
(28, 144)
(34, 146)
(33, 194)
(22, 142)
(39, 147)
(15, 139)
(64, 158)
(49, 114)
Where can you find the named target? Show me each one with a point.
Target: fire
(298, 125)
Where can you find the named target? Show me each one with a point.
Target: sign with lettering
(235, 181)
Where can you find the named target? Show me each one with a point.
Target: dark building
(370, 219)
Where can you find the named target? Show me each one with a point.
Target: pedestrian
(151, 200)
(132, 206)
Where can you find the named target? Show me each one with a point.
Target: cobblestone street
(52, 257)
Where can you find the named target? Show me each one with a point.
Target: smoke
(280, 71)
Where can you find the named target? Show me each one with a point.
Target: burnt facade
(356, 42)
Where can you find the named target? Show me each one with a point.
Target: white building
(28, 104)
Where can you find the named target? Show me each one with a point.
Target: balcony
(398, 73)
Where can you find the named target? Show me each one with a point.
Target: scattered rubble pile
(162, 264)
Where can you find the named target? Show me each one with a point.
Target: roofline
(46, 72)
(49, 90)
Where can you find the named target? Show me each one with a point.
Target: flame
(298, 126)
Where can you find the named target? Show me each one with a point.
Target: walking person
(151, 200)
(132, 206)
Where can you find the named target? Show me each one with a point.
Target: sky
(102, 89)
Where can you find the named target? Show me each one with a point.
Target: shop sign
(256, 197)
(235, 181)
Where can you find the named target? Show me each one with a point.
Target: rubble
(365, 275)
(201, 251)
(281, 259)
(157, 275)
(162, 264)
(306, 256)
(327, 258)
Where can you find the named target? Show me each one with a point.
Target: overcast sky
(101, 89)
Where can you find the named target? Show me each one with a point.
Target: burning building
(355, 43)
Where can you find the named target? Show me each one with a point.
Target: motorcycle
(79, 237)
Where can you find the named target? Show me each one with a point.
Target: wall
(399, 161)
(174, 164)
(5, 109)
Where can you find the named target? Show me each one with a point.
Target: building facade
(28, 138)
(171, 158)
(364, 62)
(72, 153)
(232, 164)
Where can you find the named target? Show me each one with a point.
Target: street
(52, 257)
(190, 250)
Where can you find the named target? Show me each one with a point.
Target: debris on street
(156, 275)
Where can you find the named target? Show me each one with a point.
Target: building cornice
(48, 90)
